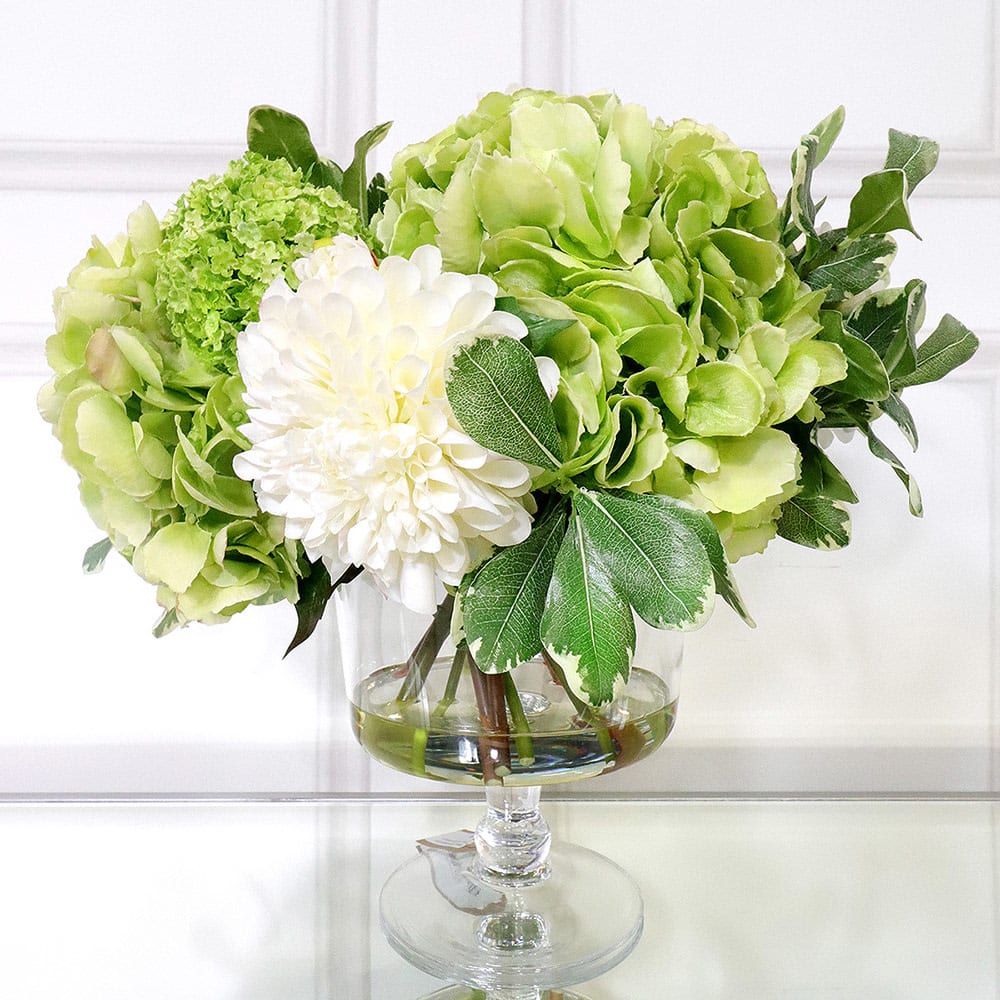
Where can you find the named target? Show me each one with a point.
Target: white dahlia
(353, 440)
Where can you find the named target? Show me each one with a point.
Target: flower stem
(458, 664)
(522, 731)
(494, 743)
(420, 661)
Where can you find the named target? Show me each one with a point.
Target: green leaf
(897, 411)
(880, 450)
(915, 155)
(587, 625)
(866, 375)
(315, 590)
(377, 194)
(815, 521)
(167, 623)
(820, 477)
(654, 559)
(93, 558)
(949, 346)
(677, 512)
(826, 132)
(887, 321)
(275, 133)
(810, 152)
(499, 401)
(853, 267)
(880, 205)
(540, 330)
(503, 600)
(355, 183)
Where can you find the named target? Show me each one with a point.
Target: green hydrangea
(228, 238)
(689, 335)
(143, 400)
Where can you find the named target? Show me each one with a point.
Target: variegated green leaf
(820, 477)
(866, 375)
(880, 205)
(587, 625)
(949, 346)
(93, 558)
(880, 450)
(815, 521)
(502, 601)
(915, 155)
(888, 322)
(853, 267)
(899, 413)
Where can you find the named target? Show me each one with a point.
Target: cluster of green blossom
(691, 338)
(145, 401)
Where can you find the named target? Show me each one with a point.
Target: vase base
(449, 919)
(467, 993)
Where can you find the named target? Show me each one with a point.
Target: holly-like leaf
(815, 521)
(949, 346)
(315, 590)
(852, 267)
(540, 329)
(275, 133)
(915, 155)
(654, 559)
(672, 512)
(500, 402)
(587, 625)
(355, 184)
(503, 600)
(880, 205)
(93, 558)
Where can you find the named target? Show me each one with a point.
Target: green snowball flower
(228, 238)
(143, 400)
(692, 338)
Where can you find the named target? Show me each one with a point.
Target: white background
(872, 669)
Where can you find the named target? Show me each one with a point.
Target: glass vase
(502, 908)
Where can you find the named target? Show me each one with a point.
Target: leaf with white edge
(811, 151)
(950, 345)
(880, 205)
(502, 601)
(866, 375)
(888, 322)
(93, 558)
(275, 133)
(654, 559)
(167, 623)
(915, 155)
(816, 522)
(852, 267)
(355, 183)
(587, 625)
(880, 450)
(500, 402)
(899, 413)
(540, 329)
(676, 512)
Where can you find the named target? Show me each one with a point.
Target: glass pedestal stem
(513, 839)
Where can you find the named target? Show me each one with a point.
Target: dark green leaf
(355, 184)
(676, 512)
(888, 321)
(315, 590)
(915, 155)
(866, 375)
(815, 521)
(897, 411)
(821, 478)
(540, 329)
(377, 195)
(503, 600)
(654, 559)
(880, 205)
(852, 267)
(93, 558)
(949, 346)
(880, 450)
(499, 401)
(275, 133)
(587, 625)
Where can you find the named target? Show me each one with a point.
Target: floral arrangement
(559, 368)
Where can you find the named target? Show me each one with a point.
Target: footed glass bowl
(500, 909)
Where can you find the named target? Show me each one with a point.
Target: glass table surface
(277, 900)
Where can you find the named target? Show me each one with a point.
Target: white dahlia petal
(353, 440)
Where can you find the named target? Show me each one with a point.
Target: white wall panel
(150, 72)
(435, 66)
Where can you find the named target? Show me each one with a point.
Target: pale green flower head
(151, 429)
(691, 337)
(228, 238)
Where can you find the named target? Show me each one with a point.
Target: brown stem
(494, 743)
(420, 661)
